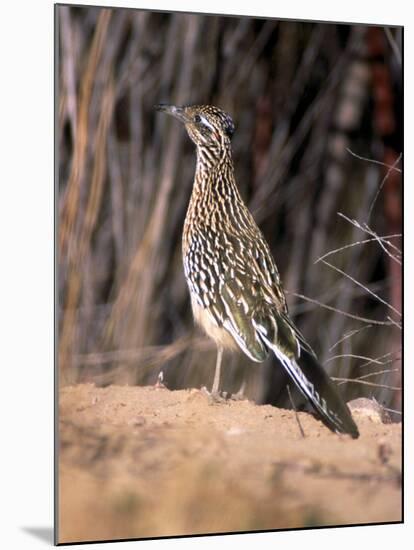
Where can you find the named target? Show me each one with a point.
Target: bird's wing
(287, 335)
(237, 281)
(221, 279)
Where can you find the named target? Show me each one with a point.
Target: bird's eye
(203, 123)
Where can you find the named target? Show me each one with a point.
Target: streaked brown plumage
(235, 288)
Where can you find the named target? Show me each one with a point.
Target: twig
(387, 175)
(358, 381)
(362, 286)
(373, 161)
(365, 227)
(380, 240)
(369, 375)
(377, 373)
(393, 322)
(350, 315)
(349, 335)
(345, 247)
(377, 358)
(296, 412)
(353, 357)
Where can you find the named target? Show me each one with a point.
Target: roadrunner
(235, 288)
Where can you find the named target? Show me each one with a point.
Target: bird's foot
(239, 396)
(215, 396)
(159, 384)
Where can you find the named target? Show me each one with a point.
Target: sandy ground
(148, 462)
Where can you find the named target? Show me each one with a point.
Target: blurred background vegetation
(318, 157)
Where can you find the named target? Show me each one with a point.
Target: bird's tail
(315, 384)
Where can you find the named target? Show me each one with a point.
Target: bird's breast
(206, 321)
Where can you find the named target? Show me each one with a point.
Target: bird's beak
(176, 112)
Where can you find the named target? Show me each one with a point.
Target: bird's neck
(210, 159)
(214, 168)
(214, 194)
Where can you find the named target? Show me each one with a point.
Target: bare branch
(350, 315)
(365, 382)
(370, 375)
(387, 175)
(378, 359)
(377, 373)
(362, 286)
(393, 322)
(349, 335)
(345, 247)
(353, 357)
(366, 229)
(296, 412)
(373, 160)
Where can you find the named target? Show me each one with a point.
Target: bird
(235, 288)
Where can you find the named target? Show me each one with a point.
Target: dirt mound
(147, 462)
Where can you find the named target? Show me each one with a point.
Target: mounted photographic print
(229, 274)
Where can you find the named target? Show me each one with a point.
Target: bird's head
(206, 125)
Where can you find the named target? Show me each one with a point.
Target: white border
(26, 233)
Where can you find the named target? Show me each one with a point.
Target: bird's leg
(215, 396)
(216, 381)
